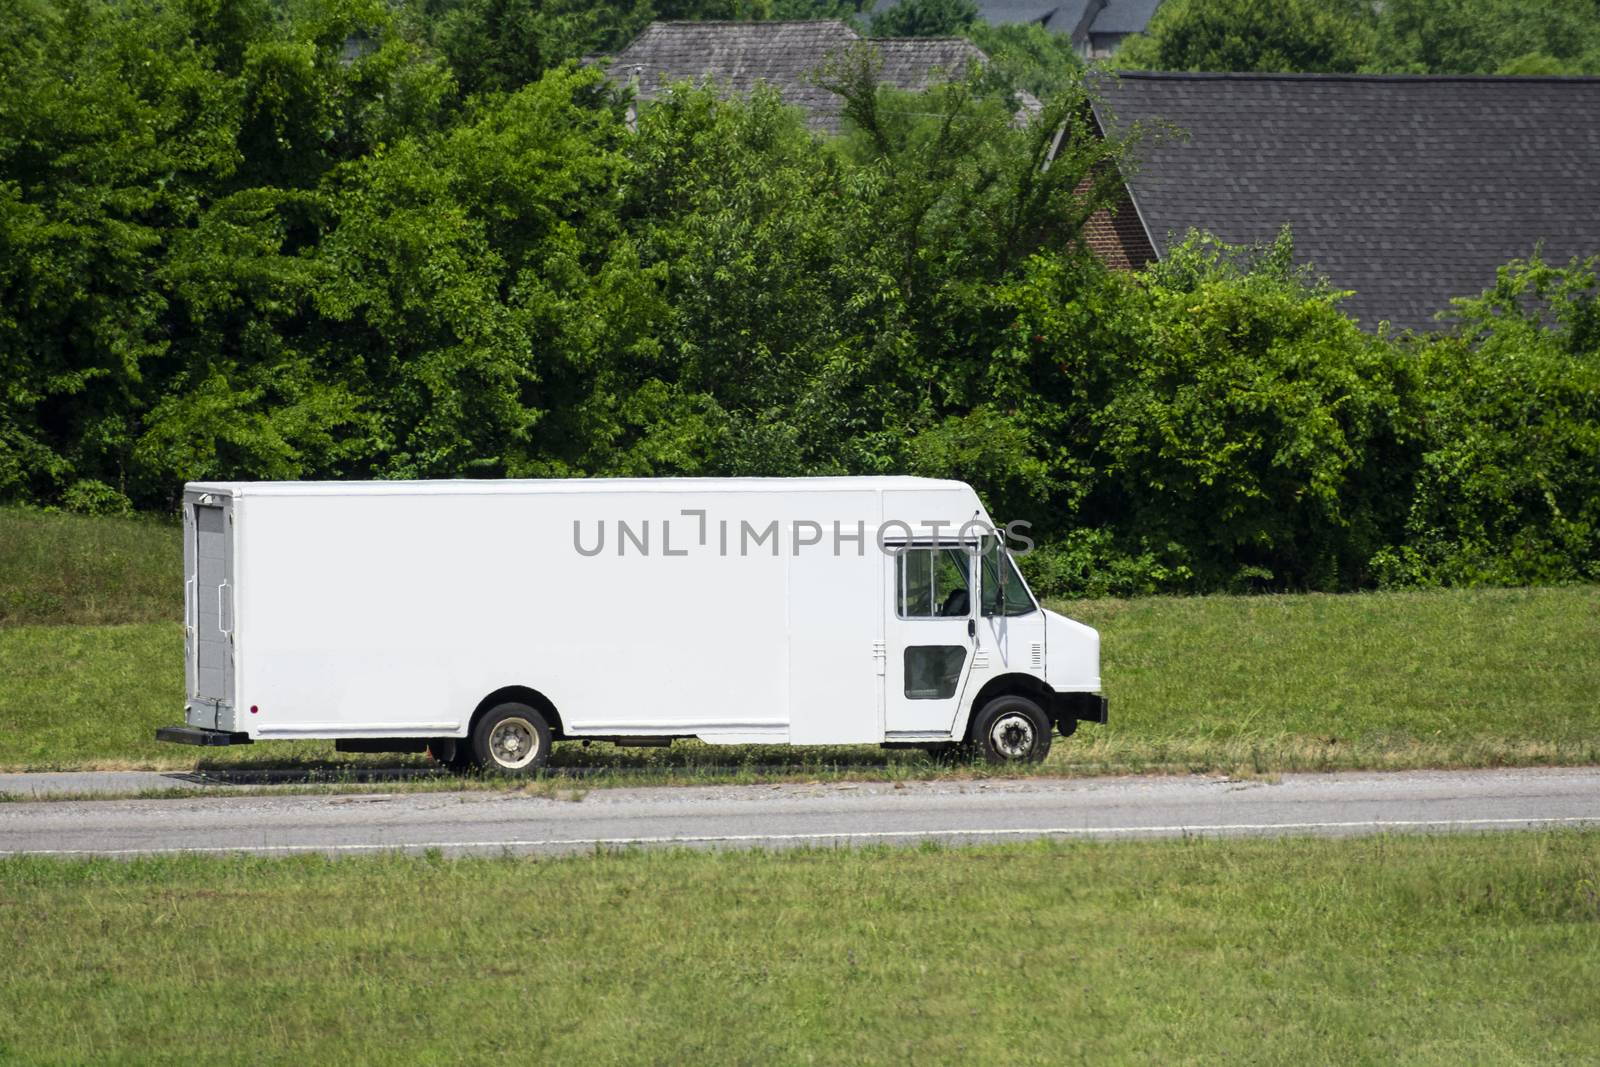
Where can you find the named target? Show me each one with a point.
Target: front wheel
(1012, 729)
(511, 739)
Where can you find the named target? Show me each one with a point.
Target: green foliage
(1488, 37)
(800, 10)
(457, 277)
(1508, 490)
(1258, 421)
(162, 173)
(1235, 429)
(748, 231)
(1250, 35)
(341, 239)
(1029, 56)
(1397, 36)
(925, 18)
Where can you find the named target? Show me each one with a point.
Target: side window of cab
(934, 582)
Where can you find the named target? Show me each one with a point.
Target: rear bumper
(199, 735)
(1079, 707)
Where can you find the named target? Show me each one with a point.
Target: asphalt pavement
(779, 816)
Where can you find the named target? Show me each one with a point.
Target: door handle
(972, 627)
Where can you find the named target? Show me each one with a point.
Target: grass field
(1236, 684)
(71, 569)
(1449, 950)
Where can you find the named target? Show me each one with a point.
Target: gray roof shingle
(1124, 16)
(1075, 18)
(1409, 190)
(1061, 17)
(737, 56)
(915, 63)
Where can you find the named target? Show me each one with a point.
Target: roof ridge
(1228, 75)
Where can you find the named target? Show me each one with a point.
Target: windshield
(1013, 598)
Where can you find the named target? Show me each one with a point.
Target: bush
(1507, 490)
(1234, 429)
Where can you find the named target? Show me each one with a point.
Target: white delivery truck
(484, 620)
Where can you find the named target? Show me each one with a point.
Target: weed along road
(779, 816)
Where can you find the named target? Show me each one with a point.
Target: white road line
(842, 835)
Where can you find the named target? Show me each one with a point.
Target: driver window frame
(963, 549)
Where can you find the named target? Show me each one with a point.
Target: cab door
(930, 634)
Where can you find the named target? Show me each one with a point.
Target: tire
(1012, 729)
(511, 739)
(452, 752)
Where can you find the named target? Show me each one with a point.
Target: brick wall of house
(1117, 236)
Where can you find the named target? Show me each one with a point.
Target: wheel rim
(1011, 735)
(513, 743)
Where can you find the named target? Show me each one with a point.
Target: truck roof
(516, 486)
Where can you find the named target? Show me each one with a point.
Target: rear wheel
(511, 739)
(1012, 729)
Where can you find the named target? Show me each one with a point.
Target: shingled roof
(1094, 26)
(737, 56)
(1408, 189)
(1124, 16)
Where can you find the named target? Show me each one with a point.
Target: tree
(115, 126)
(1029, 56)
(1251, 35)
(925, 18)
(1488, 37)
(1234, 429)
(1397, 36)
(1508, 489)
(962, 198)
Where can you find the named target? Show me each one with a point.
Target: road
(777, 816)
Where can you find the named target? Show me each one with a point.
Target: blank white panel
(834, 625)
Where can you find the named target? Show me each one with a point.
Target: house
(1095, 26)
(737, 56)
(1407, 189)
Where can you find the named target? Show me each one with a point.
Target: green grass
(1235, 684)
(1448, 950)
(62, 568)
(1455, 677)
